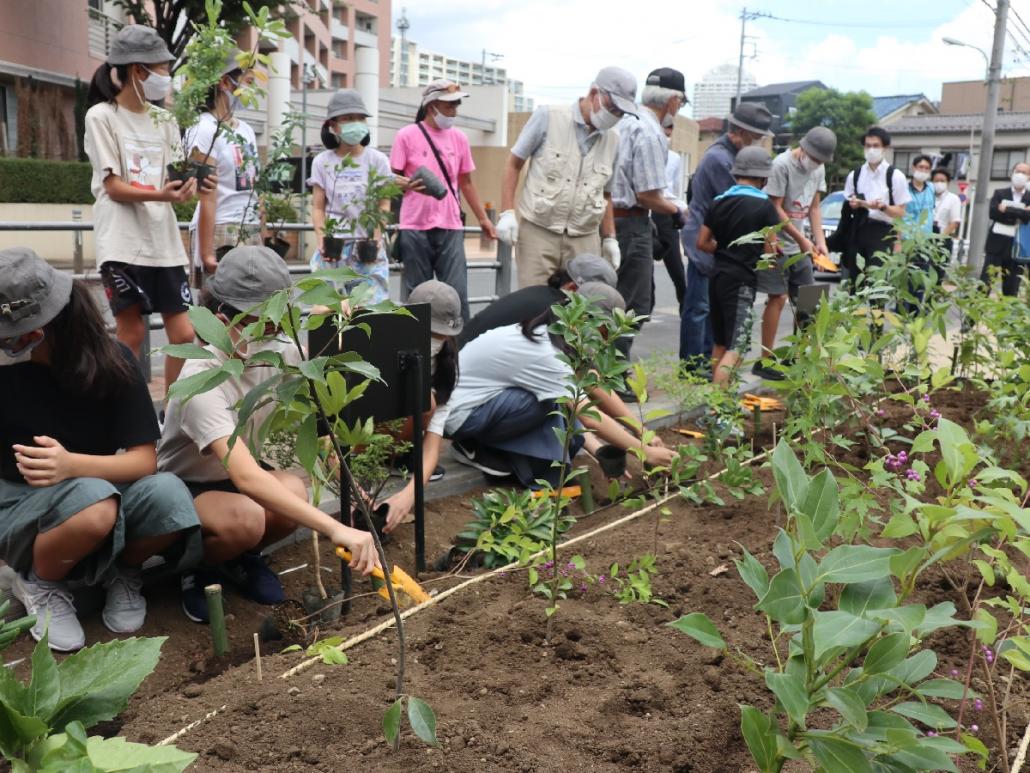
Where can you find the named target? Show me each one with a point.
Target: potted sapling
(375, 215)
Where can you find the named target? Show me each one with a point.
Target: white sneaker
(125, 608)
(54, 608)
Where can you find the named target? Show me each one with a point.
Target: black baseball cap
(668, 78)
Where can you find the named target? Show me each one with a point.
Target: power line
(868, 25)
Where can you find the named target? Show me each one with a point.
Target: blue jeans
(695, 326)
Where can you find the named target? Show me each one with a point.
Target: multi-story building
(713, 93)
(411, 65)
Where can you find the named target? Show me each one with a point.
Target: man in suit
(1010, 207)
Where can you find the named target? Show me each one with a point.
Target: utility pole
(307, 73)
(978, 229)
(745, 17)
(482, 67)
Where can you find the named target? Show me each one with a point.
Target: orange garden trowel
(823, 263)
(401, 581)
(569, 491)
(764, 404)
(692, 433)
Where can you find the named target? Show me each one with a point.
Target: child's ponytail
(107, 81)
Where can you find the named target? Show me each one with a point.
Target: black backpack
(842, 240)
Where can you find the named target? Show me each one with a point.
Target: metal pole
(978, 230)
(303, 153)
(740, 59)
(78, 262)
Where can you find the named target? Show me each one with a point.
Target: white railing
(102, 29)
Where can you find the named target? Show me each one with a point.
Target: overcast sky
(880, 46)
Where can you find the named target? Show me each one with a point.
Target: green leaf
(821, 504)
(849, 705)
(753, 573)
(306, 446)
(791, 481)
(422, 720)
(927, 713)
(838, 755)
(859, 597)
(210, 328)
(977, 747)
(117, 754)
(903, 564)
(841, 629)
(943, 688)
(44, 688)
(855, 563)
(697, 625)
(187, 352)
(783, 602)
(987, 632)
(392, 721)
(906, 618)
(759, 733)
(938, 616)
(886, 653)
(96, 682)
(923, 757)
(789, 689)
(916, 668)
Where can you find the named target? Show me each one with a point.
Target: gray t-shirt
(797, 187)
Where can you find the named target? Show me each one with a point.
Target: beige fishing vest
(564, 190)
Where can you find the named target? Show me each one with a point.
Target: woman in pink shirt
(432, 240)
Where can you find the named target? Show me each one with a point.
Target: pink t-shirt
(420, 212)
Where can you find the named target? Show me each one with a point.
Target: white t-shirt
(502, 358)
(191, 427)
(235, 156)
(345, 185)
(872, 183)
(948, 210)
(136, 147)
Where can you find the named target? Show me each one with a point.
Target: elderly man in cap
(748, 124)
(432, 242)
(564, 208)
(798, 177)
(639, 187)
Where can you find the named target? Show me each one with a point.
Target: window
(1004, 160)
(903, 159)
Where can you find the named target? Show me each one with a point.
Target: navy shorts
(157, 289)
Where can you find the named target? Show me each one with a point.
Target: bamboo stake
(1017, 764)
(216, 613)
(180, 733)
(257, 655)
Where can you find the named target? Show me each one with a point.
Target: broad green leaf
(987, 632)
(977, 747)
(117, 754)
(698, 626)
(986, 571)
(44, 688)
(210, 328)
(855, 563)
(791, 481)
(841, 629)
(906, 618)
(886, 653)
(96, 682)
(314, 369)
(392, 721)
(923, 757)
(185, 388)
(821, 504)
(849, 705)
(790, 691)
(187, 352)
(18, 731)
(938, 616)
(306, 446)
(915, 668)
(903, 564)
(422, 720)
(837, 754)
(943, 688)
(753, 573)
(783, 549)
(783, 601)
(927, 713)
(759, 733)
(859, 597)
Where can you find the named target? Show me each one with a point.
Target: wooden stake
(219, 637)
(257, 655)
(1017, 764)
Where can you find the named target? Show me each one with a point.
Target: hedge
(39, 181)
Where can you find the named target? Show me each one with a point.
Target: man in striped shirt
(639, 185)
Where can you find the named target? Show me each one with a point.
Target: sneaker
(54, 608)
(627, 396)
(438, 472)
(769, 374)
(254, 579)
(474, 458)
(125, 608)
(402, 467)
(194, 600)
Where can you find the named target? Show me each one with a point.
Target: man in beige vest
(565, 207)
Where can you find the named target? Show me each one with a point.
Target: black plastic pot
(612, 461)
(201, 171)
(179, 174)
(280, 246)
(367, 251)
(222, 251)
(431, 184)
(332, 247)
(328, 610)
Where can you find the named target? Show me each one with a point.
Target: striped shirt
(643, 151)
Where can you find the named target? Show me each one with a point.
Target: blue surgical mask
(352, 133)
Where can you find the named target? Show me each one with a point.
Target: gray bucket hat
(346, 102)
(232, 62)
(590, 268)
(752, 161)
(445, 319)
(819, 143)
(753, 117)
(605, 296)
(32, 293)
(138, 44)
(249, 275)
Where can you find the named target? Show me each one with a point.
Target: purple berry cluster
(988, 654)
(897, 463)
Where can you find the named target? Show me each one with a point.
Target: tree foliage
(848, 114)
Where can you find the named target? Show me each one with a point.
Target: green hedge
(38, 181)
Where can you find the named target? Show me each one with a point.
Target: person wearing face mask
(639, 188)
(1009, 208)
(79, 497)
(748, 125)
(339, 181)
(881, 193)
(920, 207)
(797, 180)
(564, 208)
(129, 143)
(243, 506)
(222, 140)
(431, 236)
(947, 215)
(666, 235)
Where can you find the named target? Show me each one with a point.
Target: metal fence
(501, 265)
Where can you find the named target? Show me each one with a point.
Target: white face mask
(940, 187)
(808, 163)
(156, 86)
(920, 176)
(1019, 180)
(435, 346)
(603, 118)
(444, 121)
(874, 155)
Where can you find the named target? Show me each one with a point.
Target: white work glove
(610, 251)
(508, 227)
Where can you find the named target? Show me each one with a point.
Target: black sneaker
(629, 396)
(438, 472)
(254, 579)
(769, 374)
(194, 600)
(479, 460)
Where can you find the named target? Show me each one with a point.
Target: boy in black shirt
(739, 211)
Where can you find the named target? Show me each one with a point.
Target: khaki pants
(539, 252)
